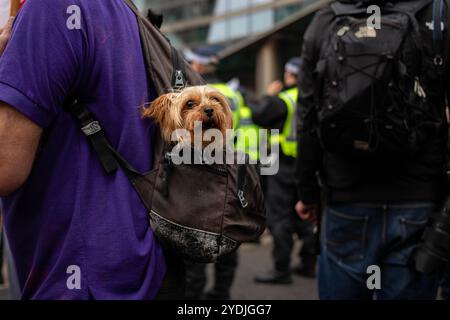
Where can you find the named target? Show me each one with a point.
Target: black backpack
(199, 211)
(371, 99)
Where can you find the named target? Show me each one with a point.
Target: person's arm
(309, 155)
(5, 34)
(19, 140)
(33, 87)
(269, 112)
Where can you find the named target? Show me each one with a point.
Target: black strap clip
(242, 172)
(179, 71)
(179, 82)
(91, 128)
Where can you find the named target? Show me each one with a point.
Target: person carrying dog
(277, 110)
(372, 127)
(75, 232)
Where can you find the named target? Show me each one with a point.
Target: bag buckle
(179, 80)
(241, 197)
(91, 128)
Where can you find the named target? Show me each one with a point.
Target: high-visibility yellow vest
(247, 134)
(287, 138)
(234, 97)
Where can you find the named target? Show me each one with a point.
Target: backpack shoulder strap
(109, 157)
(173, 73)
(94, 132)
(132, 6)
(343, 9)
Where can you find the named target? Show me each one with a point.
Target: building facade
(219, 22)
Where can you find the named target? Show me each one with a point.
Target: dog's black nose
(209, 112)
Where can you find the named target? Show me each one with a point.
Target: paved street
(255, 258)
(3, 294)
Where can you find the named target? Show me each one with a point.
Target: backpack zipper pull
(179, 80)
(242, 171)
(241, 197)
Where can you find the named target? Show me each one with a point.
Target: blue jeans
(356, 236)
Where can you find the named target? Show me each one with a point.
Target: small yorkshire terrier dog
(189, 109)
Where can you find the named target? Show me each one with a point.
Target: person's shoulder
(320, 22)
(322, 17)
(51, 5)
(325, 12)
(49, 10)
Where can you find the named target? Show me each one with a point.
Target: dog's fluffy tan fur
(180, 110)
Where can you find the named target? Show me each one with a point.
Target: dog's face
(200, 106)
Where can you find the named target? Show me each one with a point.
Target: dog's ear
(158, 109)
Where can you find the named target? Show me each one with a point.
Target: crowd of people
(363, 140)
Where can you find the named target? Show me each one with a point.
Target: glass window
(219, 31)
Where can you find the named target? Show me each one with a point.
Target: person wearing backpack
(276, 110)
(372, 133)
(75, 232)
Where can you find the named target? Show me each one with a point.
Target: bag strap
(94, 132)
(109, 158)
(132, 7)
(179, 75)
(412, 6)
(179, 70)
(342, 9)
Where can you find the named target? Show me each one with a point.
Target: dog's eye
(190, 104)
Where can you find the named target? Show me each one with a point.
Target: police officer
(205, 62)
(277, 110)
(247, 133)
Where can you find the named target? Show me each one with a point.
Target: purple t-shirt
(71, 218)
